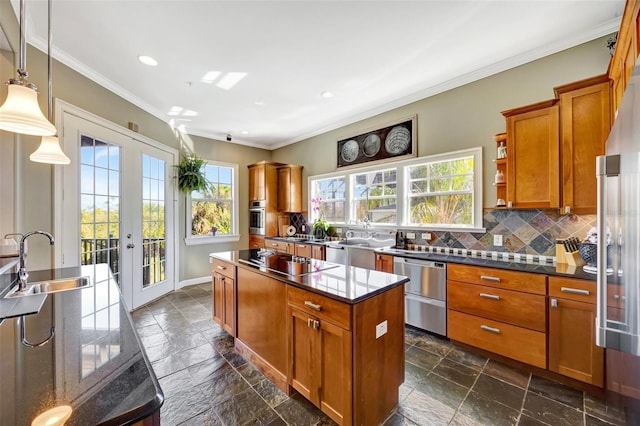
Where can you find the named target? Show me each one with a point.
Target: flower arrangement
(318, 212)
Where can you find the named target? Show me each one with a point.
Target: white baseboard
(193, 281)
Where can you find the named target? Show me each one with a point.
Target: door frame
(62, 108)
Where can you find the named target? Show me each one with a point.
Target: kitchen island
(94, 363)
(333, 333)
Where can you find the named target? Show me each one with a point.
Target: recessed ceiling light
(259, 103)
(230, 79)
(210, 77)
(326, 94)
(244, 132)
(148, 60)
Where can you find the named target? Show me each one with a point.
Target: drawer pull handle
(490, 296)
(490, 329)
(274, 244)
(616, 297)
(574, 291)
(302, 246)
(312, 305)
(222, 267)
(489, 278)
(311, 323)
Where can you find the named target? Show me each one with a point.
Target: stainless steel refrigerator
(618, 315)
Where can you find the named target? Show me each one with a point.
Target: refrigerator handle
(605, 166)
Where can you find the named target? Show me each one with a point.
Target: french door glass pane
(100, 204)
(153, 221)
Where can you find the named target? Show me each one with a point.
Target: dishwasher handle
(420, 263)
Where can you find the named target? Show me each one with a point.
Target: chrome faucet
(22, 272)
(365, 221)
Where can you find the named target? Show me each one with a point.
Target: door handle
(490, 296)
(130, 245)
(574, 291)
(490, 329)
(312, 305)
(490, 278)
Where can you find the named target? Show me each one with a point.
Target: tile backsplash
(523, 231)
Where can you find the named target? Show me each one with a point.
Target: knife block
(563, 256)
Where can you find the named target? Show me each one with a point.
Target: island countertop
(347, 284)
(95, 362)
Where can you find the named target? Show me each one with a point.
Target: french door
(118, 207)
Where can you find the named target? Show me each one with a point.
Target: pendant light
(49, 150)
(20, 112)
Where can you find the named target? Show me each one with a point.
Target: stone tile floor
(206, 383)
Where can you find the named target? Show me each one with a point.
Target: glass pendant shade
(49, 152)
(21, 113)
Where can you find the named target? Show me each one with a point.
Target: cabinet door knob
(567, 209)
(554, 303)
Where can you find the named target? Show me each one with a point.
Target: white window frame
(192, 240)
(354, 198)
(312, 214)
(403, 199)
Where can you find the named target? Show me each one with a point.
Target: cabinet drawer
(519, 343)
(573, 289)
(224, 268)
(303, 250)
(321, 307)
(513, 307)
(511, 280)
(256, 242)
(281, 246)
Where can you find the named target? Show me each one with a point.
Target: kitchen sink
(52, 286)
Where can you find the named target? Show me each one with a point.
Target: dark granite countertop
(562, 270)
(95, 362)
(299, 240)
(344, 283)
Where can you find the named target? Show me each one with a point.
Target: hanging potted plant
(191, 175)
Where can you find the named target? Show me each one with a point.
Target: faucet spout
(22, 272)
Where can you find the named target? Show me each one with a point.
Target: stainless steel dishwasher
(425, 293)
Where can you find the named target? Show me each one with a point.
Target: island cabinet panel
(262, 321)
(572, 317)
(347, 359)
(224, 295)
(533, 156)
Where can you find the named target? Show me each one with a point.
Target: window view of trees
(441, 192)
(331, 193)
(213, 209)
(374, 196)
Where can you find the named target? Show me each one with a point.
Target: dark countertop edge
(301, 241)
(283, 278)
(544, 269)
(150, 407)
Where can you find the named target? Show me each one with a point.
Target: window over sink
(442, 191)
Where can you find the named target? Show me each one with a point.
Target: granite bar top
(347, 284)
(95, 361)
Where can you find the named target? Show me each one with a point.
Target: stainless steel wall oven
(257, 217)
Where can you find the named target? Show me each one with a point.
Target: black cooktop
(285, 264)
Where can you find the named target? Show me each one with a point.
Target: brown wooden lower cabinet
(256, 241)
(320, 364)
(337, 362)
(318, 252)
(384, 263)
(224, 296)
(572, 322)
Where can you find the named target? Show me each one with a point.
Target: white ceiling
(373, 55)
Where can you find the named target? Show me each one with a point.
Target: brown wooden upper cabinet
(290, 188)
(257, 182)
(585, 122)
(533, 156)
(626, 53)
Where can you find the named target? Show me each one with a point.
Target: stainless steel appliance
(358, 248)
(618, 218)
(425, 293)
(257, 217)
